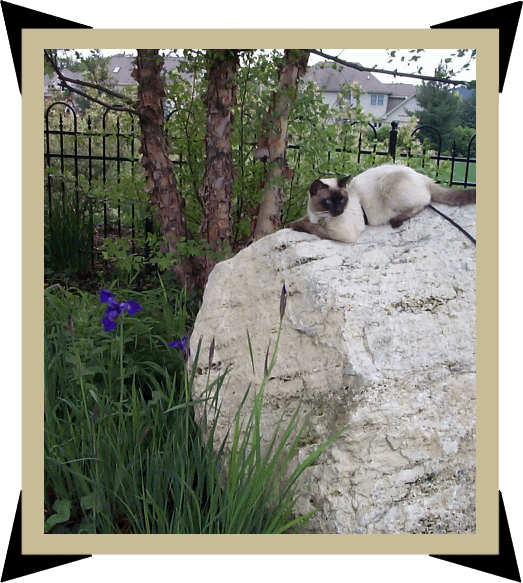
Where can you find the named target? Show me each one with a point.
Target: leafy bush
(462, 137)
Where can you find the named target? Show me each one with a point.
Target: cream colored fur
(348, 226)
(390, 190)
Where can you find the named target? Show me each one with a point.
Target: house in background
(385, 102)
(120, 69)
(52, 84)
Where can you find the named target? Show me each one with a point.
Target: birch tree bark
(161, 181)
(273, 144)
(217, 189)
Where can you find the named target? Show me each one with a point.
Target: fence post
(453, 153)
(393, 136)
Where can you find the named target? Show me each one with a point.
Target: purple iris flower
(114, 309)
(182, 345)
(179, 343)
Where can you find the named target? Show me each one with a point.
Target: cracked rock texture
(378, 336)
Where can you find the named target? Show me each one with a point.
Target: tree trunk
(217, 188)
(161, 181)
(272, 145)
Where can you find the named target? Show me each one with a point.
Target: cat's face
(328, 196)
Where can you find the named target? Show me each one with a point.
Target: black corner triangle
(17, 565)
(18, 17)
(505, 18)
(504, 565)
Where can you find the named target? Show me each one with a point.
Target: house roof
(121, 68)
(400, 89)
(331, 79)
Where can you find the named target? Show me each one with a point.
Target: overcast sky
(378, 57)
(429, 60)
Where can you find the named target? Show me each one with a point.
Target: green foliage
(468, 109)
(62, 512)
(68, 232)
(126, 265)
(454, 60)
(440, 109)
(145, 345)
(64, 59)
(327, 139)
(462, 138)
(459, 172)
(99, 134)
(122, 452)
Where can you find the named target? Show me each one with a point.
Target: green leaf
(88, 502)
(62, 509)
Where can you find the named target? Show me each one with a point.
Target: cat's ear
(316, 186)
(342, 182)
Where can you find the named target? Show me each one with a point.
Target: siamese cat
(339, 209)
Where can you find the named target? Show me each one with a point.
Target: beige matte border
(32, 148)
(486, 540)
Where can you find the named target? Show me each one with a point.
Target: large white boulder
(378, 336)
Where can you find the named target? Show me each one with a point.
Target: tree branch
(93, 86)
(359, 67)
(67, 80)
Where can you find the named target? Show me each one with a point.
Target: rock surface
(379, 337)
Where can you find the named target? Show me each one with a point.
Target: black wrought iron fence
(79, 158)
(466, 163)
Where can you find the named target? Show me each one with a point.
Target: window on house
(116, 69)
(376, 99)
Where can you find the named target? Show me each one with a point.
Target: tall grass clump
(261, 485)
(123, 453)
(68, 234)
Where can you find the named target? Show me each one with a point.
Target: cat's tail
(452, 196)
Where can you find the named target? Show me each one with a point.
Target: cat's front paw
(298, 226)
(395, 223)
